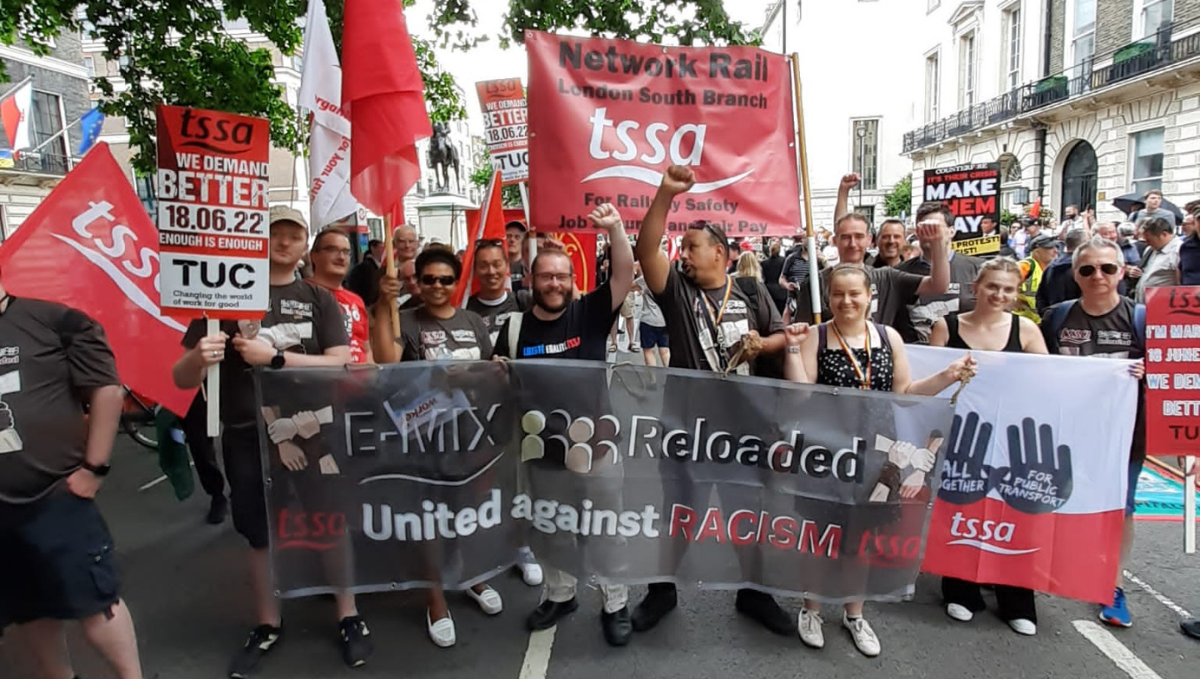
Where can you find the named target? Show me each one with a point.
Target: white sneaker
(489, 600)
(441, 632)
(864, 637)
(1023, 626)
(959, 612)
(809, 625)
(531, 572)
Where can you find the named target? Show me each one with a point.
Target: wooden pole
(389, 257)
(530, 240)
(814, 281)
(212, 387)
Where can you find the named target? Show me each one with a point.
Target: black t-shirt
(51, 357)
(495, 313)
(581, 332)
(959, 297)
(303, 318)
(424, 337)
(706, 326)
(892, 290)
(517, 273)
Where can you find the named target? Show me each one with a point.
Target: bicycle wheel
(141, 432)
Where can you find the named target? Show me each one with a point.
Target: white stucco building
(856, 67)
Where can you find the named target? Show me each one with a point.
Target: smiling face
(289, 242)
(891, 239)
(491, 270)
(437, 283)
(553, 281)
(849, 297)
(404, 242)
(997, 290)
(331, 256)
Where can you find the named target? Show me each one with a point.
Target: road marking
(1115, 650)
(155, 482)
(1162, 599)
(537, 655)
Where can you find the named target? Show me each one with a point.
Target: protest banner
(972, 192)
(435, 472)
(506, 127)
(212, 213)
(1032, 492)
(607, 117)
(1173, 371)
(91, 246)
(580, 246)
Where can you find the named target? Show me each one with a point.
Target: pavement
(186, 584)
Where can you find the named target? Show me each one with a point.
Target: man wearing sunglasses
(716, 325)
(1103, 323)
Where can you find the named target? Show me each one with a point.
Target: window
(1012, 26)
(1147, 160)
(865, 136)
(1083, 40)
(297, 62)
(47, 121)
(933, 89)
(144, 185)
(867, 211)
(966, 71)
(1155, 15)
(89, 63)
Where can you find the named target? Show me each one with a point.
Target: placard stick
(389, 257)
(212, 387)
(1189, 505)
(530, 242)
(814, 281)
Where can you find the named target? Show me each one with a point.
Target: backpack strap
(749, 288)
(514, 333)
(884, 340)
(1054, 323)
(822, 337)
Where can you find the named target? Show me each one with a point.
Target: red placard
(607, 117)
(1173, 371)
(506, 127)
(213, 192)
(579, 245)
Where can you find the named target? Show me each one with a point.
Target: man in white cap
(302, 328)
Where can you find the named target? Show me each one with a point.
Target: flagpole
(814, 281)
(388, 257)
(56, 135)
(532, 242)
(14, 88)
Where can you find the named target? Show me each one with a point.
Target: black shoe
(763, 608)
(217, 510)
(660, 600)
(548, 613)
(261, 641)
(356, 641)
(618, 628)
(1191, 627)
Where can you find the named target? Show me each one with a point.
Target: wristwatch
(100, 470)
(278, 360)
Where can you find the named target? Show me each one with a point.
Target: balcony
(43, 165)
(1137, 59)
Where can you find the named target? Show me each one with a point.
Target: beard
(540, 300)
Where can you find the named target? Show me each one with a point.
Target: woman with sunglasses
(851, 352)
(991, 326)
(437, 331)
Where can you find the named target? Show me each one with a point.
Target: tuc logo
(579, 442)
(311, 531)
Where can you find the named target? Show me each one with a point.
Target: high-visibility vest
(1027, 293)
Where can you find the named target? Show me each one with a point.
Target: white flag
(329, 144)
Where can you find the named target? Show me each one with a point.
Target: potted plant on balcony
(1132, 59)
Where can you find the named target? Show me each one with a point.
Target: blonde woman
(748, 266)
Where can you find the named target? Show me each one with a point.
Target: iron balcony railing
(37, 163)
(1136, 59)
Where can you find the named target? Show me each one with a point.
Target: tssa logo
(984, 534)
(313, 531)
(216, 133)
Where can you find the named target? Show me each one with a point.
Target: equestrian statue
(443, 156)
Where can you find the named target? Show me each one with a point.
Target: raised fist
(848, 182)
(606, 217)
(678, 179)
(795, 334)
(928, 232)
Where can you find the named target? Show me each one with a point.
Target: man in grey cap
(303, 327)
(1058, 280)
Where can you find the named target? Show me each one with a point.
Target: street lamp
(861, 131)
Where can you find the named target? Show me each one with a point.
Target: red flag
(90, 245)
(487, 223)
(383, 90)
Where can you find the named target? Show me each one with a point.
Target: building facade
(60, 98)
(1080, 101)
(857, 107)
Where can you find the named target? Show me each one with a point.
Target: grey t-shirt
(462, 337)
(959, 297)
(1160, 212)
(495, 312)
(652, 315)
(892, 290)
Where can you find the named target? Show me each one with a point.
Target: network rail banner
(405, 475)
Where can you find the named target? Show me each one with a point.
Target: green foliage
(510, 196)
(899, 200)
(1007, 218)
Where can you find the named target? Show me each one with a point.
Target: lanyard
(716, 316)
(864, 377)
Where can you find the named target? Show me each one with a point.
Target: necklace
(862, 372)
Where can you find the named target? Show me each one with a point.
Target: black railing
(1130, 61)
(39, 163)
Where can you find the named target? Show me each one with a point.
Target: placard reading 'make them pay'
(213, 192)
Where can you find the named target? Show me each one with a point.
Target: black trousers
(195, 428)
(1012, 603)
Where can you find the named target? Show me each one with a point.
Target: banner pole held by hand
(1189, 505)
(814, 282)
(389, 257)
(530, 241)
(212, 387)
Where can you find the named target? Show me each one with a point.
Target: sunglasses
(1109, 269)
(489, 243)
(702, 225)
(446, 281)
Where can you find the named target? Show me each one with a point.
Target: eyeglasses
(430, 281)
(1109, 269)
(563, 278)
(345, 252)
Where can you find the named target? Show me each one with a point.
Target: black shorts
(654, 336)
(56, 561)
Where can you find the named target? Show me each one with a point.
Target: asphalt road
(186, 585)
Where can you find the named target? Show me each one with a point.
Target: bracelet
(793, 349)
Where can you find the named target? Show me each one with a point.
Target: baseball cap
(514, 224)
(283, 213)
(1044, 242)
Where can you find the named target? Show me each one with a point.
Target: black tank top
(956, 341)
